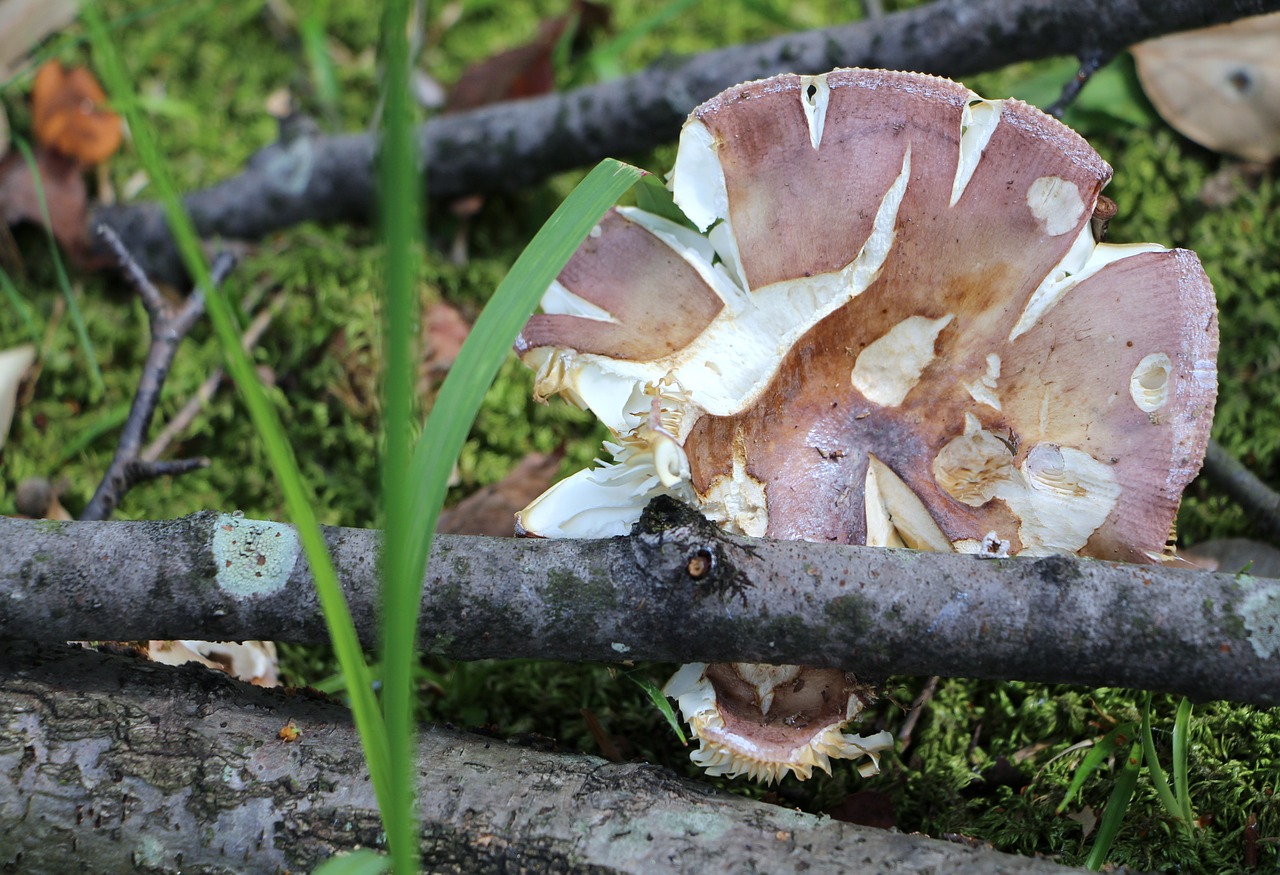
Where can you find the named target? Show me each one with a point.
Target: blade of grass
(362, 862)
(1158, 779)
(1181, 755)
(64, 282)
(1117, 805)
(656, 696)
(315, 46)
(265, 419)
(491, 338)
(399, 192)
(606, 61)
(24, 311)
(1097, 755)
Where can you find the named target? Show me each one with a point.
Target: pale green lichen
(254, 557)
(1260, 611)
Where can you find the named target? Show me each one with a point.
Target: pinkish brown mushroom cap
(898, 330)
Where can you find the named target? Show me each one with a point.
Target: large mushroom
(899, 328)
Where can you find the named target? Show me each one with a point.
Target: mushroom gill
(894, 326)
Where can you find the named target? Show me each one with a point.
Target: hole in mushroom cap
(1149, 385)
(1056, 204)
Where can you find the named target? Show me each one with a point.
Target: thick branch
(110, 764)
(1260, 501)
(872, 611)
(506, 146)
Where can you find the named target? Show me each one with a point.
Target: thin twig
(168, 327)
(1091, 62)
(183, 418)
(917, 708)
(1260, 501)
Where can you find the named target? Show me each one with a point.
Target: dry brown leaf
(492, 510)
(64, 190)
(69, 114)
(1219, 86)
(527, 70)
(1234, 555)
(446, 329)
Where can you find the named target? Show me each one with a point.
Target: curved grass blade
(1097, 755)
(655, 694)
(1181, 755)
(1117, 805)
(1158, 779)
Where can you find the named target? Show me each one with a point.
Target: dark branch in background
(1090, 62)
(168, 327)
(1260, 502)
(160, 756)
(307, 177)
(868, 610)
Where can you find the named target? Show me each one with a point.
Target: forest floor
(986, 760)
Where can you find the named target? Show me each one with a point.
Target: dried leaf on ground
(1219, 86)
(492, 510)
(13, 366)
(446, 329)
(69, 114)
(64, 190)
(527, 70)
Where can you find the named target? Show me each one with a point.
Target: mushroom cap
(898, 329)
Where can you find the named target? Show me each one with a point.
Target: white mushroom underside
(889, 367)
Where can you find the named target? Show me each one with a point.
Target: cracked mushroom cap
(896, 328)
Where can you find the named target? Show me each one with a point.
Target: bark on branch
(871, 611)
(307, 177)
(113, 765)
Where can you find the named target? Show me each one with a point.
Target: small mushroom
(898, 329)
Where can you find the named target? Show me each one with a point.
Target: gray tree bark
(109, 764)
(871, 611)
(306, 177)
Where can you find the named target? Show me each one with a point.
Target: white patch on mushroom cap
(607, 500)
(731, 363)
(558, 299)
(1149, 385)
(1056, 204)
(815, 105)
(977, 123)
(896, 517)
(1083, 260)
(889, 367)
(983, 390)
(1067, 496)
(737, 502)
(697, 180)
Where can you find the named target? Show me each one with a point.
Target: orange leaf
(69, 114)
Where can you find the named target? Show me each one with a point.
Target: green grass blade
(1117, 805)
(316, 48)
(399, 193)
(24, 311)
(656, 696)
(64, 282)
(266, 421)
(606, 61)
(1097, 755)
(362, 862)
(1158, 779)
(1181, 755)
(492, 336)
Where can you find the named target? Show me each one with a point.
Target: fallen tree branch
(127, 766)
(307, 177)
(868, 610)
(1261, 503)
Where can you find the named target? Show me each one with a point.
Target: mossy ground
(206, 70)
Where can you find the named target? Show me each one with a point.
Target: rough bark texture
(113, 765)
(307, 177)
(868, 610)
